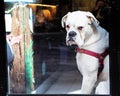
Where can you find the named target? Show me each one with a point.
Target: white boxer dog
(92, 41)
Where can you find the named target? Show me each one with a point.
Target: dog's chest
(86, 62)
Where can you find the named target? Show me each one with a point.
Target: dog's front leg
(88, 67)
(88, 83)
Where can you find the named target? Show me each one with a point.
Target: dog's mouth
(71, 44)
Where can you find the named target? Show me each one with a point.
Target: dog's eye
(80, 28)
(67, 26)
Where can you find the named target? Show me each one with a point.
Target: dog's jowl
(92, 41)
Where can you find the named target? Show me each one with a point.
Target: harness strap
(96, 55)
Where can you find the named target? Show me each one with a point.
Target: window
(42, 62)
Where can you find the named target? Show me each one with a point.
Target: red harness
(101, 57)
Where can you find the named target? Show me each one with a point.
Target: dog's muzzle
(71, 41)
(71, 36)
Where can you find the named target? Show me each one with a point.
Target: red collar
(94, 54)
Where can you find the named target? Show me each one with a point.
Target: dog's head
(78, 25)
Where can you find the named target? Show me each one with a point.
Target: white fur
(91, 37)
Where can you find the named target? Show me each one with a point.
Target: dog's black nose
(72, 33)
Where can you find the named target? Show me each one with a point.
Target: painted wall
(19, 0)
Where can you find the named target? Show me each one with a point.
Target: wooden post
(22, 71)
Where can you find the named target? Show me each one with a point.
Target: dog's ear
(92, 18)
(64, 19)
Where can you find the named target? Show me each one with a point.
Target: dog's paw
(102, 88)
(75, 92)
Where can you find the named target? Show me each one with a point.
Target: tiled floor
(69, 82)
